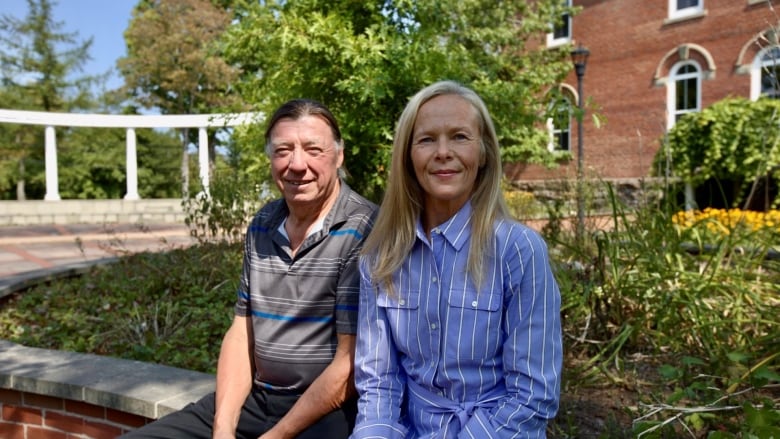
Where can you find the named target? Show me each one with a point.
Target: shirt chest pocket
(477, 301)
(402, 311)
(404, 300)
(478, 319)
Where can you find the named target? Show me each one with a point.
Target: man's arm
(325, 394)
(234, 378)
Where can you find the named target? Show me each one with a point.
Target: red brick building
(651, 61)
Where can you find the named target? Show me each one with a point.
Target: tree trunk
(212, 153)
(20, 192)
(185, 163)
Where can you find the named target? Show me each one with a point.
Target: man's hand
(274, 433)
(223, 435)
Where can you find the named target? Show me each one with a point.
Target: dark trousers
(261, 411)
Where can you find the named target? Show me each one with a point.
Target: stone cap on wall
(32, 212)
(144, 389)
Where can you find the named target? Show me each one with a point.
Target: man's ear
(340, 155)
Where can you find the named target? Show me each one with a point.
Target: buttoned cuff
(367, 430)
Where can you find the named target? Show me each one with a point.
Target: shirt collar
(456, 230)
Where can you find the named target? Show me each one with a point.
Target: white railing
(129, 122)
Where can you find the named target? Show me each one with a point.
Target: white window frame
(553, 145)
(757, 69)
(552, 41)
(671, 90)
(552, 130)
(675, 13)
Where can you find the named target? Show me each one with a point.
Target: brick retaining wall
(25, 415)
(47, 394)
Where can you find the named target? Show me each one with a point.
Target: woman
(459, 320)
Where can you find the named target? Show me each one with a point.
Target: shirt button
(474, 304)
(434, 280)
(433, 325)
(402, 302)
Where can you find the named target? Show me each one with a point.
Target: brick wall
(26, 415)
(628, 41)
(51, 394)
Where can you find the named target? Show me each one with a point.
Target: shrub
(170, 308)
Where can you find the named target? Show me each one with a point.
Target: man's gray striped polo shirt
(298, 304)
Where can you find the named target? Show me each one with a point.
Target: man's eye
(281, 152)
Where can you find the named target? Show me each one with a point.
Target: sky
(103, 20)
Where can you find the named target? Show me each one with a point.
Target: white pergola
(129, 122)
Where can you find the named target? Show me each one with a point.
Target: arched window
(559, 126)
(765, 74)
(684, 91)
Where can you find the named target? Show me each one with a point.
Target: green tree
(158, 171)
(734, 139)
(365, 59)
(173, 62)
(38, 67)
(15, 149)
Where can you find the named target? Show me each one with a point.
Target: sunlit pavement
(28, 253)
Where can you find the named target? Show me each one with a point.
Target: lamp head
(579, 57)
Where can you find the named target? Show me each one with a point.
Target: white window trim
(552, 145)
(676, 14)
(671, 90)
(556, 42)
(755, 73)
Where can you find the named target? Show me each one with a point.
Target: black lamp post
(579, 57)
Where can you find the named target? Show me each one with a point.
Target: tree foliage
(93, 164)
(173, 61)
(734, 139)
(365, 59)
(40, 66)
(39, 70)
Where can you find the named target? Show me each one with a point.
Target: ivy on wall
(735, 139)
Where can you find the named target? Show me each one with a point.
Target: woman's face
(446, 153)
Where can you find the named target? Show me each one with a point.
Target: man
(285, 366)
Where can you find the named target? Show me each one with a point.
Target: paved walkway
(28, 253)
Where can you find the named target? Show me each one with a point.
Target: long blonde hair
(393, 234)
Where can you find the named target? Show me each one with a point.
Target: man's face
(305, 161)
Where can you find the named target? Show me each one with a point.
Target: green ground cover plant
(670, 330)
(170, 308)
